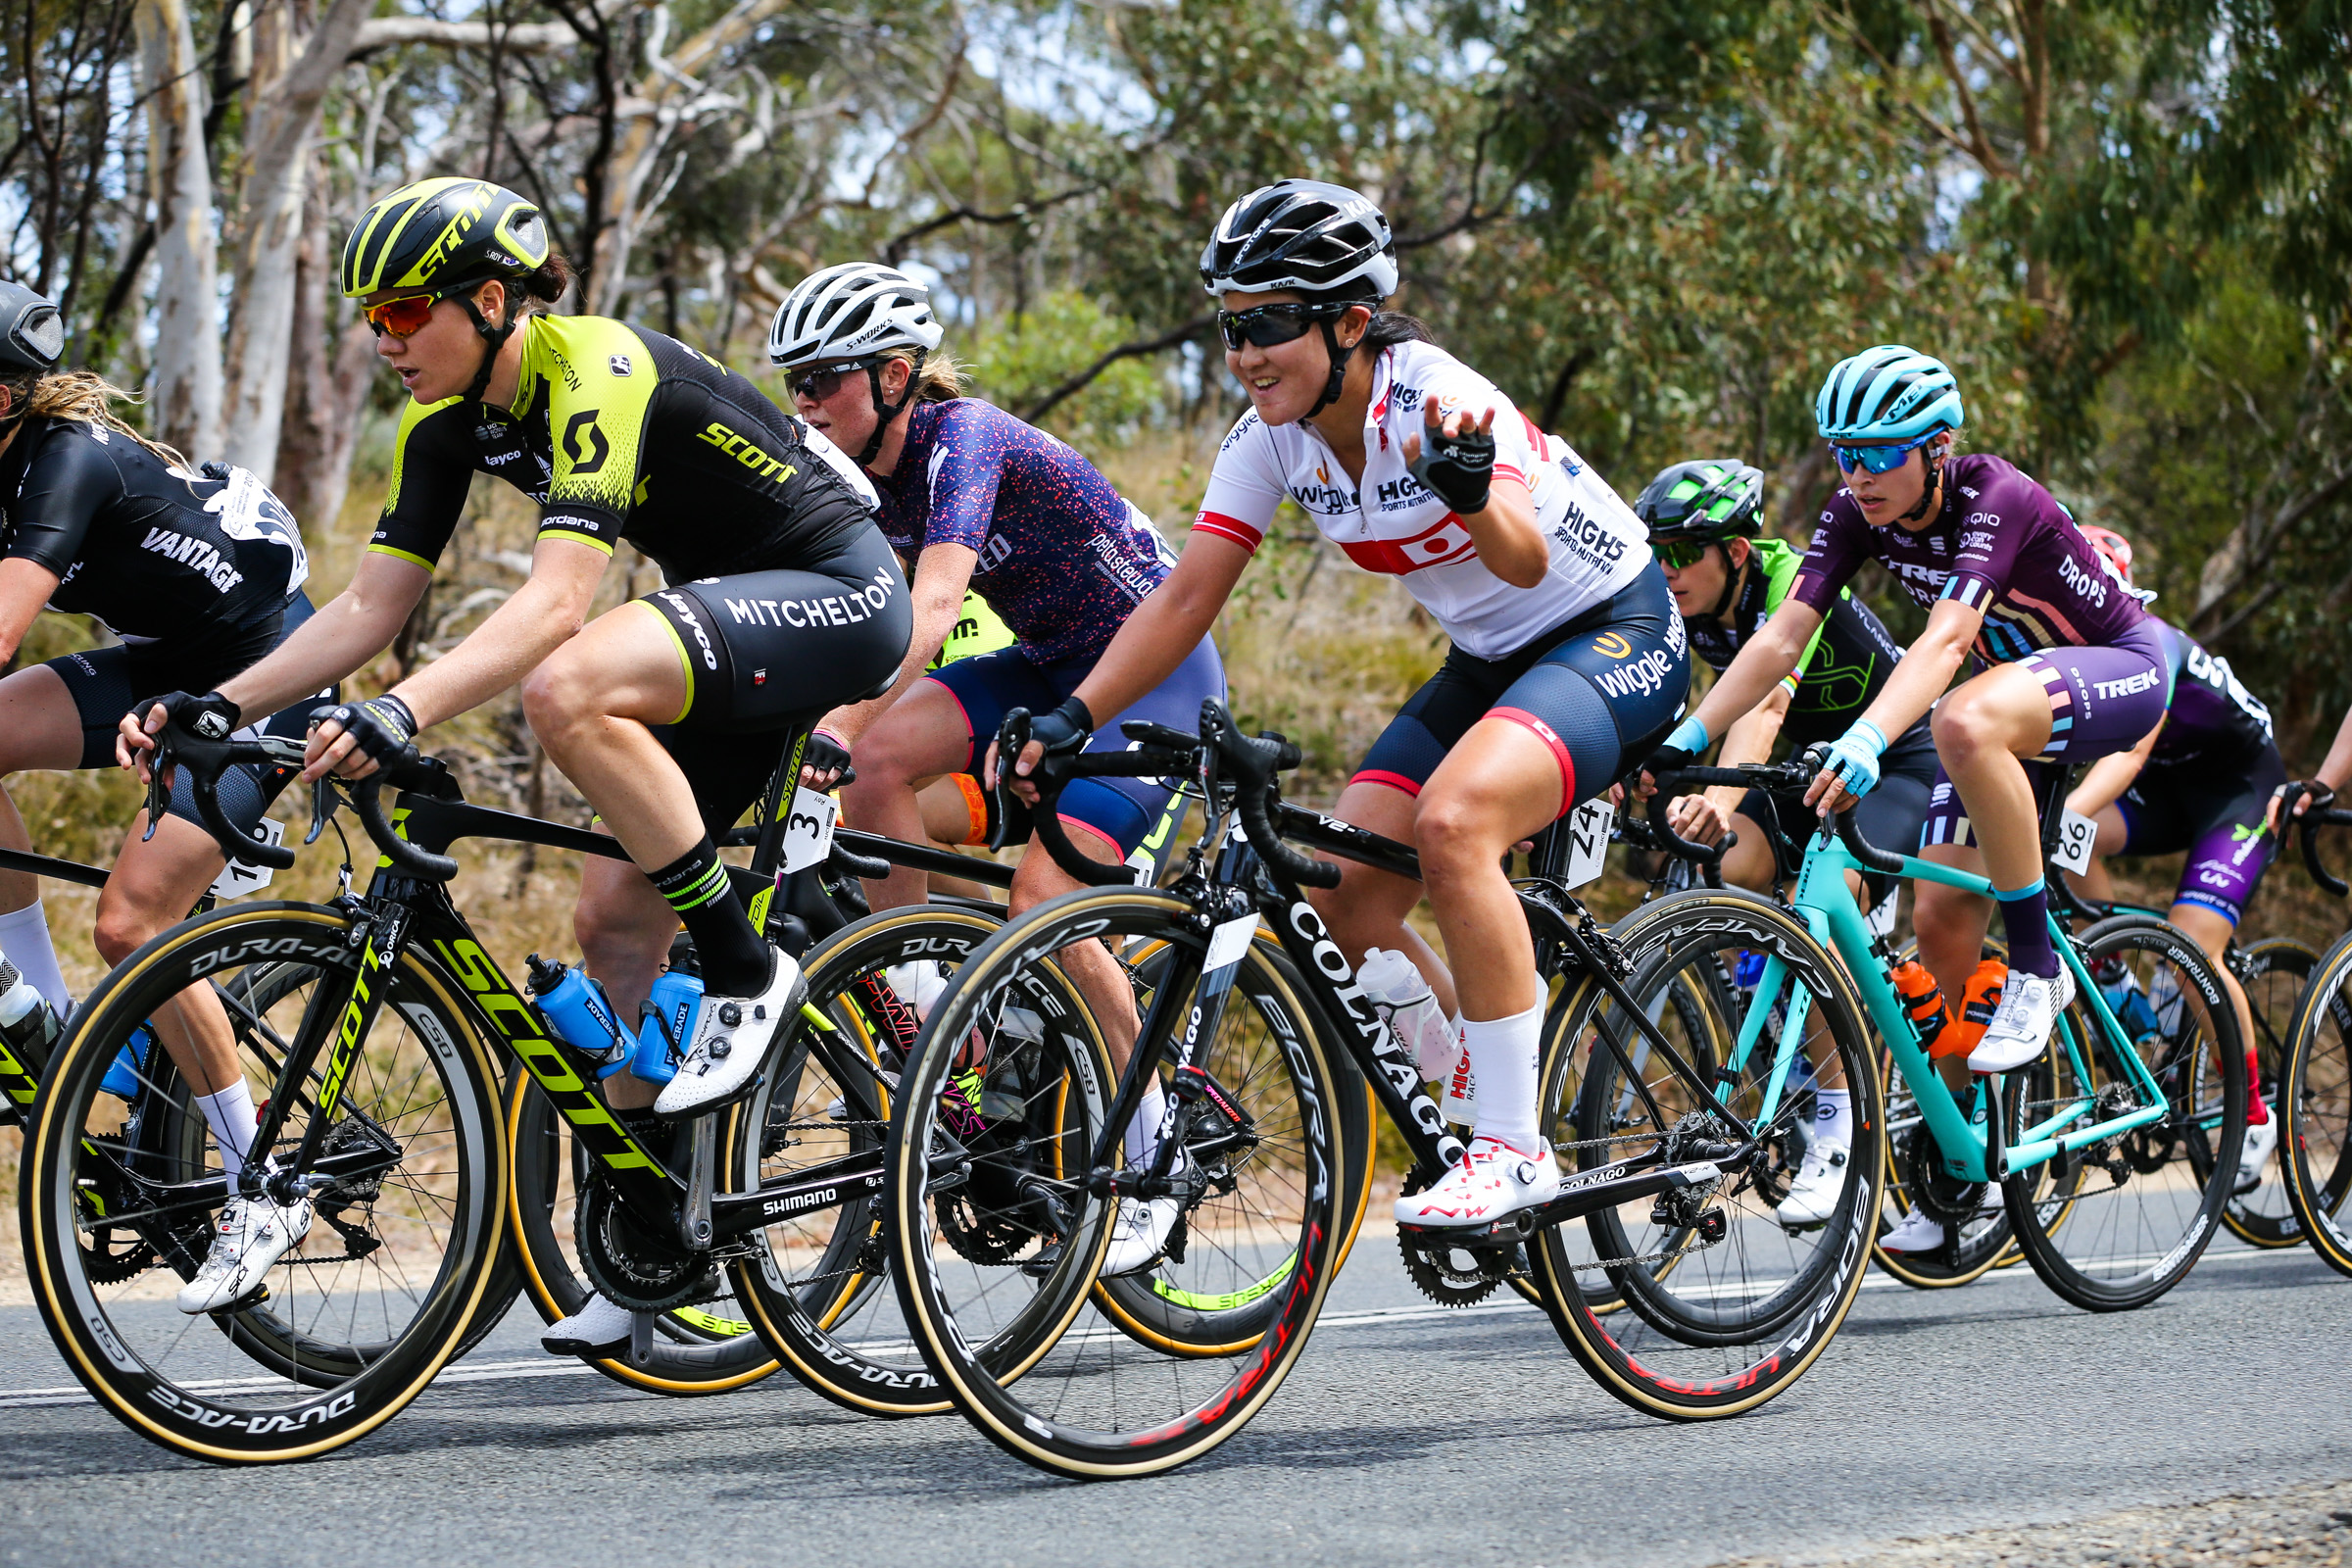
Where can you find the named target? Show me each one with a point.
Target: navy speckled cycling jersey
(1063, 558)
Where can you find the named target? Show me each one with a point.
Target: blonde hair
(937, 379)
(85, 396)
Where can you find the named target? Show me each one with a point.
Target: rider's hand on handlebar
(2313, 795)
(354, 739)
(209, 718)
(1698, 819)
(1851, 770)
(824, 761)
(1061, 732)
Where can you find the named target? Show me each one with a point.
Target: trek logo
(1644, 677)
(1912, 571)
(683, 608)
(2090, 586)
(745, 452)
(2109, 690)
(194, 553)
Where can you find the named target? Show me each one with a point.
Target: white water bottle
(26, 1021)
(1400, 995)
(918, 984)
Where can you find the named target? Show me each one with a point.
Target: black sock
(735, 961)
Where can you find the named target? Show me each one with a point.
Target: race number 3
(809, 831)
(2076, 836)
(1589, 828)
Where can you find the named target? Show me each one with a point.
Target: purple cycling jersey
(1064, 559)
(2000, 545)
(2213, 720)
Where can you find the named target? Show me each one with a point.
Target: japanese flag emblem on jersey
(1445, 541)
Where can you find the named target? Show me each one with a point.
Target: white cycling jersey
(1598, 545)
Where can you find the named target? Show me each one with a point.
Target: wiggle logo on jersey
(1641, 677)
(1609, 644)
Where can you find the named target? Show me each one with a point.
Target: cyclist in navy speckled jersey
(971, 495)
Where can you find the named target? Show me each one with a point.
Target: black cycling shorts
(2219, 815)
(1600, 691)
(763, 649)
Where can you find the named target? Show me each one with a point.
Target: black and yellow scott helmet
(443, 233)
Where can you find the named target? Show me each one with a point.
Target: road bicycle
(1681, 1131)
(2115, 1151)
(2315, 1098)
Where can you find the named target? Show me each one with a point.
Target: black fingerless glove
(825, 753)
(209, 718)
(1668, 760)
(1063, 732)
(380, 726)
(1458, 468)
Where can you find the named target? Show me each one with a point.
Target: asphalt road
(1406, 1435)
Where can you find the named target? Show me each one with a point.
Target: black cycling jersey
(1840, 671)
(157, 554)
(621, 433)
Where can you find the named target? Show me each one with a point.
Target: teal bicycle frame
(1972, 1148)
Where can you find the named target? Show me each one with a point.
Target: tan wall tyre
(2273, 972)
(707, 1348)
(2316, 1103)
(1737, 1321)
(397, 1257)
(1210, 1305)
(814, 1283)
(1013, 1331)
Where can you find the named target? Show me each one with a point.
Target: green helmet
(1709, 499)
(441, 234)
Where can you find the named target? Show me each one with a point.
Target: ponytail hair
(1391, 328)
(83, 396)
(544, 283)
(938, 378)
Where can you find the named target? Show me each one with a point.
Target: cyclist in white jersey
(1568, 659)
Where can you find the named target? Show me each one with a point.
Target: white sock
(231, 1117)
(1834, 1116)
(24, 938)
(1502, 1059)
(1141, 1137)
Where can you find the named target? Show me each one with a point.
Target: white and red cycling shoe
(1495, 1182)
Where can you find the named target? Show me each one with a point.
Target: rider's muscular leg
(39, 728)
(1981, 731)
(153, 884)
(1950, 925)
(2210, 930)
(923, 736)
(624, 930)
(1367, 910)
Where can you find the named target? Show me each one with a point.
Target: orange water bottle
(1923, 1004)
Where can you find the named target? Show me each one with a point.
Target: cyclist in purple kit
(2071, 668)
(971, 496)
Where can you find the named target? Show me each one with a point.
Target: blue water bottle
(668, 1025)
(577, 1012)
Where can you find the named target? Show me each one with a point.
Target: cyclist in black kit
(197, 572)
(781, 599)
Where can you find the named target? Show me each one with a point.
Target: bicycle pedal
(1046, 1260)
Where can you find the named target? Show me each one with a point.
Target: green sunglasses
(1680, 555)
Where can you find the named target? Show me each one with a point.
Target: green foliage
(1017, 359)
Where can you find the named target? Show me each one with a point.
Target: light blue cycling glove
(1854, 757)
(1689, 736)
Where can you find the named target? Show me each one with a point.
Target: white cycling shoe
(2260, 1142)
(1140, 1231)
(731, 1037)
(1916, 1234)
(600, 1328)
(2021, 1026)
(1820, 1181)
(1495, 1182)
(254, 1233)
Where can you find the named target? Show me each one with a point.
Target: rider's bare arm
(24, 587)
(941, 575)
(2111, 775)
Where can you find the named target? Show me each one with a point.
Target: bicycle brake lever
(323, 800)
(158, 794)
(1012, 739)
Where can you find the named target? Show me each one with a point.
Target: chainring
(1452, 1276)
(630, 1264)
(111, 1254)
(1947, 1198)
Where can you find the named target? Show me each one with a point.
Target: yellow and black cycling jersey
(978, 629)
(621, 433)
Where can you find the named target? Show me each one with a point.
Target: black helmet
(441, 234)
(32, 334)
(1708, 499)
(1302, 234)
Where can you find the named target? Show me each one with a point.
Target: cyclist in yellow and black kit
(781, 600)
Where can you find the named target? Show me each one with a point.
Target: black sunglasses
(1272, 325)
(818, 382)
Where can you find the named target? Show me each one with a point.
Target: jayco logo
(2145, 680)
(2087, 585)
(1641, 677)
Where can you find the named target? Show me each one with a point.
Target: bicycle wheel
(814, 1286)
(1742, 1316)
(1090, 1401)
(367, 1308)
(2316, 1098)
(2273, 972)
(2146, 1202)
(1216, 1304)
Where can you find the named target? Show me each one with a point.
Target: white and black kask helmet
(1305, 234)
(851, 312)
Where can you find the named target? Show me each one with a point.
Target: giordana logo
(1644, 675)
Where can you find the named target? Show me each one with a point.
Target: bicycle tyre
(1064, 1413)
(2316, 1144)
(2114, 1256)
(2273, 972)
(451, 1219)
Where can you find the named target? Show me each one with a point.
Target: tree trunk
(326, 380)
(287, 96)
(186, 390)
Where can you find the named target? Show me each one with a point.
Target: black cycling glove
(380, 726)
(1668, 760)
(826, 753)
(1064, 730)
(209, 718)
(1458, 468)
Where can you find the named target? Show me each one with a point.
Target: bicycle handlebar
(206, 760)
(407, 771)
(1795, 774)
(2322, 814)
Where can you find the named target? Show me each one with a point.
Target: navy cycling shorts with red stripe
(1119, 810)
(1600, 691)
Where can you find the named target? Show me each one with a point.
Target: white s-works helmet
(852, 312)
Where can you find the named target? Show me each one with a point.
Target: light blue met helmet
(1887, 393)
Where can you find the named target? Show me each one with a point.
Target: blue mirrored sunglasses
(1878, 459)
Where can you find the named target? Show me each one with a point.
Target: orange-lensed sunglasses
(405, 316)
